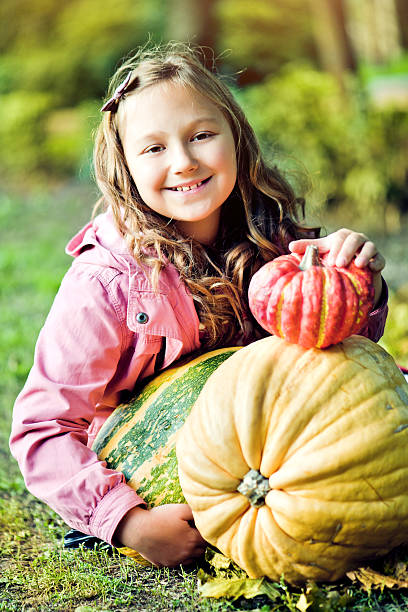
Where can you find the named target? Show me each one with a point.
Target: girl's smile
(180, 151)
(190, 187)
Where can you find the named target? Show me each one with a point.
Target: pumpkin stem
(255, 487)
(310, 258)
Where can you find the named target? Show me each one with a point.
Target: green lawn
(36, 573)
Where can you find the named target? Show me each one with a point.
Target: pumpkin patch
(309, 303)
(295, 461)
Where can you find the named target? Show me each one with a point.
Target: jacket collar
(99, 243)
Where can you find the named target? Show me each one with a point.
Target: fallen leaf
(302, 603)
(235, 588)
(370, 578)
(401, 571)
(220, 561)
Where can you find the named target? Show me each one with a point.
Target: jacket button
(142, 317)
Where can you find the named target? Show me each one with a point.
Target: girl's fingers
(345, 247)
(377, 263)
(299, 246)
(339, 245)
(369, 256)
(342, 247)
(333, 244)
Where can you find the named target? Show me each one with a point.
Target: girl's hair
(258, 219)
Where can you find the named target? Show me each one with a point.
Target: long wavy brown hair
(258, 219)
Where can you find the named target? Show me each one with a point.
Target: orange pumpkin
(309, 303)
(295, 461)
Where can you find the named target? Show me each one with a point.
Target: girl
(191, 211)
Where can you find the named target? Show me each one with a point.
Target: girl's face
(180, 152)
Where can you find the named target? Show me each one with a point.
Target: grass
(36, 573)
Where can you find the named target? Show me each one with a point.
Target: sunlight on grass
(39, 573)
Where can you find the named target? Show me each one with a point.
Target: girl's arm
(76, 357)
(164, 535)
(80, 352)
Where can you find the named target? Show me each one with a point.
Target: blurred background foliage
(324, 82)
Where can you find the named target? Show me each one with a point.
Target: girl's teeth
(188, 188)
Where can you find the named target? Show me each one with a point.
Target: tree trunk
(401, 7)
(193, 21)
(332, 42)
(376, 28)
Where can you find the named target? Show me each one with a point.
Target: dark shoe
(75, 539)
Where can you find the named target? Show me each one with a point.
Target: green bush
(68, 143)
(56, 60)
(22, 132)
(69, 48)
(39, 143)
(395, 339)
(353, 152)
(263, 35)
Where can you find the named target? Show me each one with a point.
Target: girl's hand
(164, 535)
(342, 247)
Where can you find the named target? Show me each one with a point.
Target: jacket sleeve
(76, 356)
(374, 328)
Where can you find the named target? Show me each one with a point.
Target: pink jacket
(94, 346)
(103, 333)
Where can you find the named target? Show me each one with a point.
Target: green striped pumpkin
(139, 437)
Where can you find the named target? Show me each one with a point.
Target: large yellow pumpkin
(295, 461)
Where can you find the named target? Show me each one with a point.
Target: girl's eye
(154, 149)
(202, 136)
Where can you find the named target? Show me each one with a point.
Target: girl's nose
(183, 160)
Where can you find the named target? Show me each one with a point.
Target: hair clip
(112, 103)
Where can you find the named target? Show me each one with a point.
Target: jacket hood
(100, 243)
(101, 233)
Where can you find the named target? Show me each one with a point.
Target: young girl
(191, 211)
